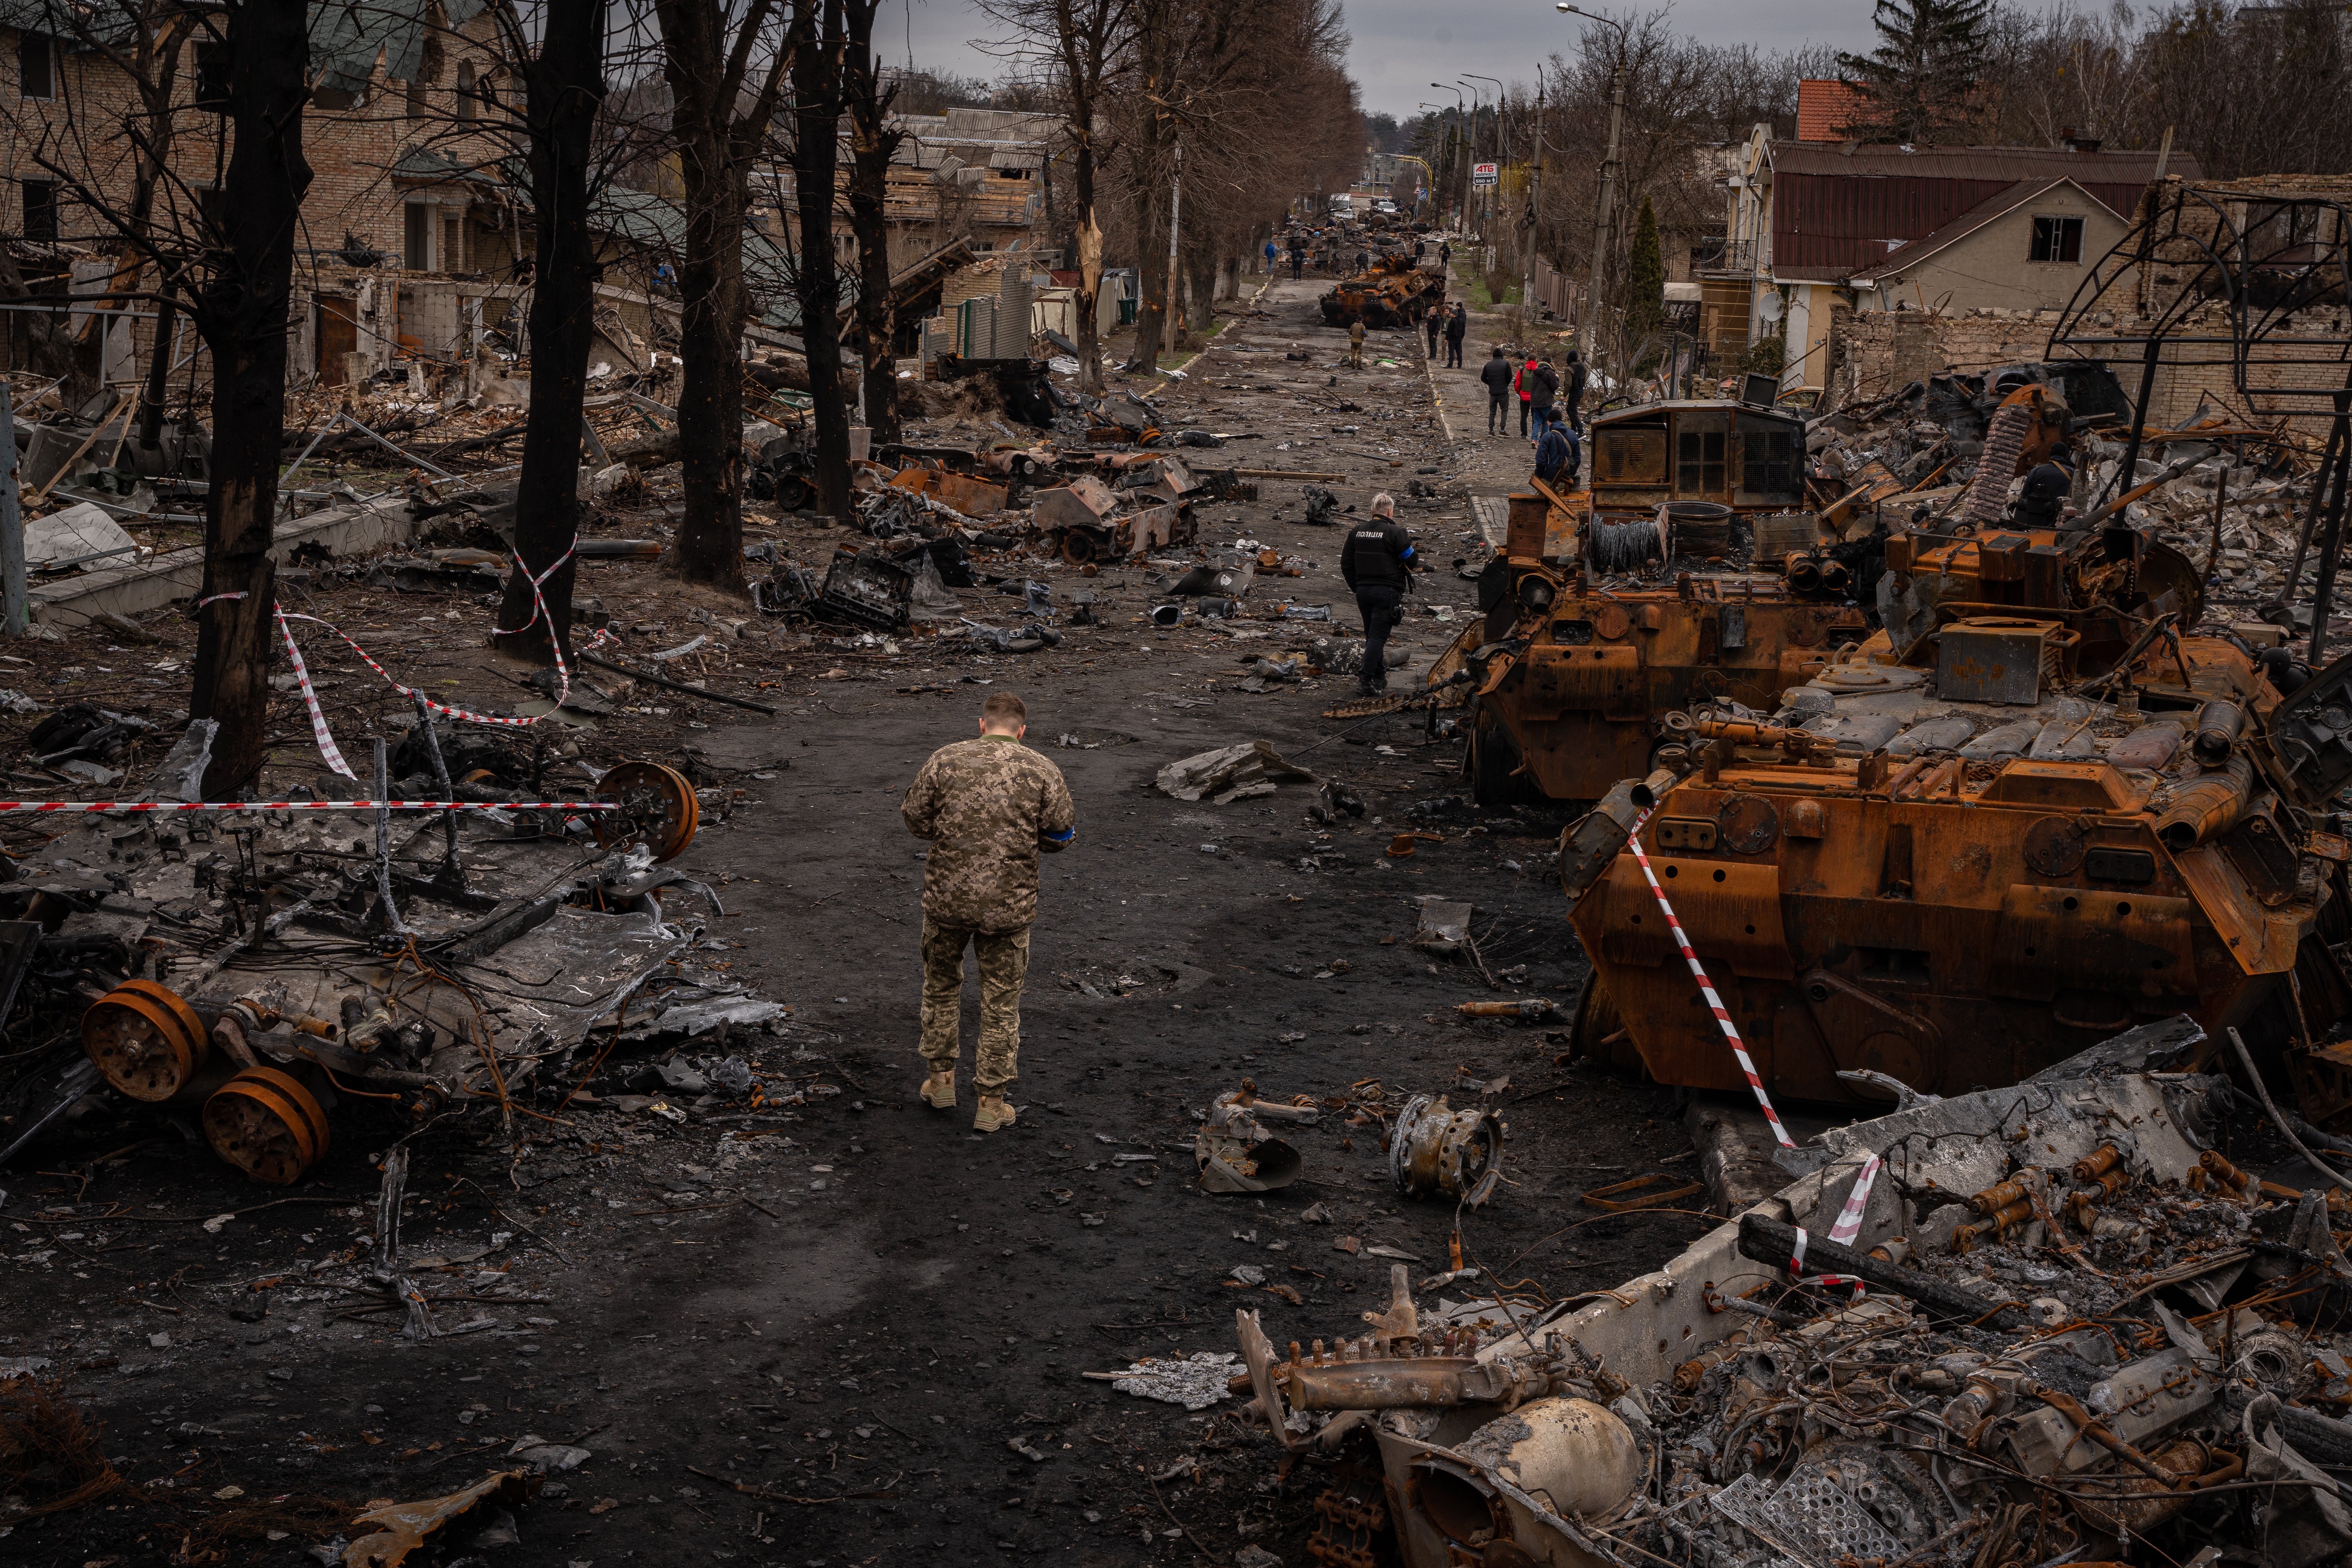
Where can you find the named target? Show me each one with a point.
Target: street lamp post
(1602, 225)
(1462, 135)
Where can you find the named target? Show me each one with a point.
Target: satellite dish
(1770, 307)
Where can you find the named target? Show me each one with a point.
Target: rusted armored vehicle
(1610, 611)
(1387, 295)
(1956, 862)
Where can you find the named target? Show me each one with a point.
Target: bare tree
(708, 54)
(817, 42)
(241, 310)
(873, 142)
(1078, 48)
(563, 89)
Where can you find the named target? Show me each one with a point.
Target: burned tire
(1490, 761)
(1600, 1033)
(793, 493)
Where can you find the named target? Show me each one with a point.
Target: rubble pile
(2228, 492)
(2053, 1322)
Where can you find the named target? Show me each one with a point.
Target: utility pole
(1462, 138)
(1529, 226)
(1603, 225)
(1502, 162)
(1175, 211)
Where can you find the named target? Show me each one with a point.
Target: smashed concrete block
(79, 532)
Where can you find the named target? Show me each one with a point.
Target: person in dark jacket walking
(1558, 455)
(1377, 565)
(1575, 391)
(2043, 500)
(1546, 387)
(1496, 373)
(1457, 327)
(1436, 318)
(1297, 255)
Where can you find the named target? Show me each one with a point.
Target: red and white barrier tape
(1847, 1226)
(1848, 1219)
(326, 739)
(1705, 988)
(163, 805)
(319, 730)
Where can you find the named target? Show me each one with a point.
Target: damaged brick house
(1822, 228)
(417, 237)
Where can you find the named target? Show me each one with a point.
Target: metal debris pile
(273, 972)
(2050, 1323)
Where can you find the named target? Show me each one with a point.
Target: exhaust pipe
(1836, 577)
(2218, 727)
(1804, 572)
(2202, 811)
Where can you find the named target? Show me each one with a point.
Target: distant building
(1817, 228)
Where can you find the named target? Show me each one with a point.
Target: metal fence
(1555, 292)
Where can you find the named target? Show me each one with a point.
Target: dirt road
(857, 1330)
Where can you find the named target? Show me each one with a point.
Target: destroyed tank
(1955, 861)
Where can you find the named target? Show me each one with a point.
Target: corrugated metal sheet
(1832, 213)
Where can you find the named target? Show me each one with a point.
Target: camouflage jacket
(988, 805)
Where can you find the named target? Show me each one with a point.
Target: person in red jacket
(1526, 383)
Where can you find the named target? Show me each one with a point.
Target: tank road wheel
(659, 809)
(1078, 546)
(1600, 1033)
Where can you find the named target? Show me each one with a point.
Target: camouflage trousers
(1003, 966)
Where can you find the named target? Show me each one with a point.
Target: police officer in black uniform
(2046, 490)
(1377, 562)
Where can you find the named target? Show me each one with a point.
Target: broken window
(41, 211)
(466, 89)
(417, 246)
(36, 76)
(2057, 239)
(212, 79)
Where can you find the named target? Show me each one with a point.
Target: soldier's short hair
(1003, 707)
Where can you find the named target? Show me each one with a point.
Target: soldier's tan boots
(939, 1090)
(993, 1113)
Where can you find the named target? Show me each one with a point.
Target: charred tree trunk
(564, 86)
(710, 294)
(717, 136)
(1153, 283)
(159, 374)
(817, 92)
(242, 314)
(873, 141)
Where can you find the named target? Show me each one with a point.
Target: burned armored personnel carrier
(1957, 861)
(1390, 294)
(1702, 563)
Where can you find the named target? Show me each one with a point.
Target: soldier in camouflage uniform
(988, 807)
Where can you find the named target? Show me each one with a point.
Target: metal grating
(1811, 1516)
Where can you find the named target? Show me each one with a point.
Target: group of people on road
(1550, 411)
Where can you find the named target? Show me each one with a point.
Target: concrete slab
(356, 529)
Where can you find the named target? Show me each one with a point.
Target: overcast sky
(1401, 45)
